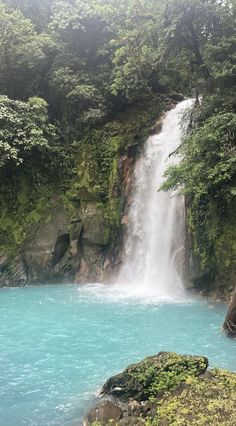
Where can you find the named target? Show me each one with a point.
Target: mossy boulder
(154, 375)
(173, 390)
(203, 401)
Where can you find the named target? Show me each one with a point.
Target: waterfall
(154, 247)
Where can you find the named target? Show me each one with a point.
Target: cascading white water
(156, 223)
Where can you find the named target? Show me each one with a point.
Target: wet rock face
(60, 248)
(95, 229)
(3, 261)
(46, 248)
(63, 249)
(12, 271)
(230, 320)
(153, 376)
(157, 127)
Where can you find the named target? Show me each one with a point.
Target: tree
(188, 27)
(135, 60)
(24, 129)
(209, 164)
(23, 54)
(38, 12)
(80, 74)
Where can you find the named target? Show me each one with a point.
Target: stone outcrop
(12, 271)
(104, 413)
(61, 249)
(45, 249)
(168, 389)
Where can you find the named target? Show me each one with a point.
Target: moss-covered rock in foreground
(171, 390)
(203, 401)
(154, 375)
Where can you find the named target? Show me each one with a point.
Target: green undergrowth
(25, 194)
(97, 153)
(97, 174)
(21, 208)
(214, 240)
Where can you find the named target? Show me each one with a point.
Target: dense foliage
(207, 172)
(23, 127)
(209, 164)
(89, 60)
(207, 176)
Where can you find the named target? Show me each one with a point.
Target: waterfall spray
(156, 220)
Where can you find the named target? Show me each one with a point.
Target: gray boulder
(104, 413)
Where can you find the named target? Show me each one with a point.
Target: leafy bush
(209, 161)
(24, 128)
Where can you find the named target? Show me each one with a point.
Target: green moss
(226, 246)
(209, 400)
(98, 151)
(113, 178)
(214, 243)
(154, 375)
(21, 208)
(166, 372)
(96, 173)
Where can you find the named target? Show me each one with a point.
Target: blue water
(58, 344)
